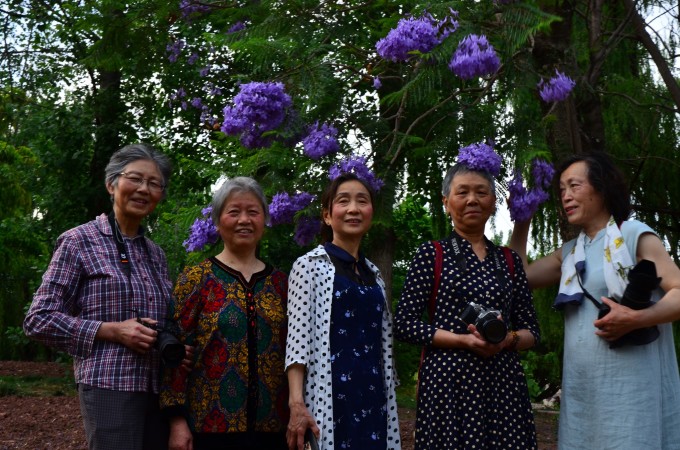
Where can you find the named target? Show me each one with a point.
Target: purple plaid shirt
(84, 286)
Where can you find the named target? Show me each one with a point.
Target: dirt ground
(54, 423)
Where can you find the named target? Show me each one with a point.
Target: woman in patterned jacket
(339, 349)
(232, 309)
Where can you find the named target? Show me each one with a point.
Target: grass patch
(406, 396)
(37, 386)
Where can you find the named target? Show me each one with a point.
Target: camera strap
(598, 304)
(120, 245)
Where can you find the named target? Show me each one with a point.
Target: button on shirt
(84, 286)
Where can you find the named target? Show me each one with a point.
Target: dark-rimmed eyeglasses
(137, 180)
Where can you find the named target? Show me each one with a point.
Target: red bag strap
(509, 260)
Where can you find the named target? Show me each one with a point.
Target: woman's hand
(619, 320)
(300, 420)
(180, 435)
(188, 361)
(478, 345)
(130, 333)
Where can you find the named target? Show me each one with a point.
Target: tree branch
(657, 57)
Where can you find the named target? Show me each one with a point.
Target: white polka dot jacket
(310, 295)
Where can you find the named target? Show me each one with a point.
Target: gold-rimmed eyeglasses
(138, 180)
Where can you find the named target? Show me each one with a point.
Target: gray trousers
(116, 420)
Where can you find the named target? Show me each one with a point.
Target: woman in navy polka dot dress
(339, 350)
(472, 393)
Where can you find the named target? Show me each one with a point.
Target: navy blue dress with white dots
(359, 400)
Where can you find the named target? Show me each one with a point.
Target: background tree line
(79, 79)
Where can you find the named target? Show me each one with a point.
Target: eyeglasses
(137, 180)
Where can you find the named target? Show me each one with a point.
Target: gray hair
(135, 152)
(237, 185)
(459, 169)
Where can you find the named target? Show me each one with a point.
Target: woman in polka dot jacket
(339, 350)
(472, 393)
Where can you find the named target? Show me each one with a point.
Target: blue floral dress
(359, 400)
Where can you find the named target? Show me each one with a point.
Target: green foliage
(543, 374)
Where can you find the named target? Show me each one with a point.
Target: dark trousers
(116, 420)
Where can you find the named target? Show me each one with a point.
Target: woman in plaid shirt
(103, 276)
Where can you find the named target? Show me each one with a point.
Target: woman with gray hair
(232, 309)
(106, 278)
(472, 392)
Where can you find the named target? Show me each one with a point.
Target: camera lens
(171, 349)
(494, 331)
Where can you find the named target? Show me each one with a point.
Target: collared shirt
(84, 286)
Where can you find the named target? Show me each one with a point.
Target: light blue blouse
(622, 399)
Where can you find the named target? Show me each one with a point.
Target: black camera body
(642, 281)
(489, 326)
(169, 347)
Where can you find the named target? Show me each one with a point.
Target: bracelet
(515, 340)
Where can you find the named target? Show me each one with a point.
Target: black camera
(642, 280)
(170, 348)
(490, 327)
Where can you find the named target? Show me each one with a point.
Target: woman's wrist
(513, 341)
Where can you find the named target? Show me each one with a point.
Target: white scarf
(617, 263)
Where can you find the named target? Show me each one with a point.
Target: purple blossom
(415, 34)
(190, 8)
(258, 108)
(196, 102)
(474, 57)
(238, 26)
(306, 230)
(207, 117)
(377, 84)
(480, 157)
(523, 203)
(320, 141)
(542, 173)
(204, 71)
(356, 165)
(556, 89)
(203, 232)
(192, 59)
(174, 50)
(283, 207)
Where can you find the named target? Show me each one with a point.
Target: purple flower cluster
(238, 26)
(356, 165)
(191, 8)
(556, 89)
(415, 34)
(306, 230)
(474, 57)
(283, 207)
(320, 141)
(258, 108)
(523, 203)
(542, 172)
(480, 157)
(174, 50)
(202, 232)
